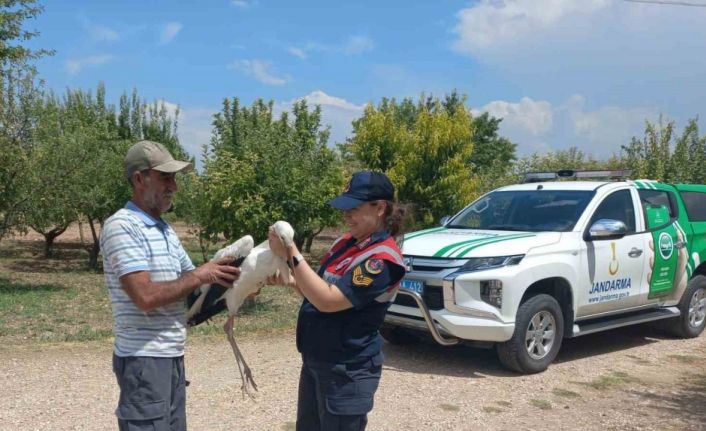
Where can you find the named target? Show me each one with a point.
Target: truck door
(667, 252)
(612, 269)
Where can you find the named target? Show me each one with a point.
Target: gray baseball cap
(152, 155)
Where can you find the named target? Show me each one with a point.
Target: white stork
(256, 265)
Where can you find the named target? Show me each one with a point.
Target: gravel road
(627, 379)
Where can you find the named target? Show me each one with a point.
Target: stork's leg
(245, 373)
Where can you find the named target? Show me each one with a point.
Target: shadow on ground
(686, 402)
(9, 288)
(472, 362)
(28, 257)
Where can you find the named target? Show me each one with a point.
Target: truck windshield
(527, 210)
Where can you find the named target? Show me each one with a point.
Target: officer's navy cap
(364, 186)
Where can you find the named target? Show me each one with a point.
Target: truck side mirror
(607, 229)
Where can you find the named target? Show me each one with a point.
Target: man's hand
(217, 271)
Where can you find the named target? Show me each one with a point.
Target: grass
(565, 393)
(614, 379)
(639, 360)
(450, 407)
(686, 359)
(491, 409)
(503, 403)
(541, 404)
(60, 299)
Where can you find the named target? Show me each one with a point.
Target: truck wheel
(539, 330)
(398, 336)
(693, 310)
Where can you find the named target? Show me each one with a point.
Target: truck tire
(398, 336)
(539, 331)
(692, 305)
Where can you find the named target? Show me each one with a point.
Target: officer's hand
(276, 244)
(218, 271)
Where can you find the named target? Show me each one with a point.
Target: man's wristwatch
(295, 261)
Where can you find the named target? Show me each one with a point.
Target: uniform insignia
(374, 266)
(343, 263)
(360, 279)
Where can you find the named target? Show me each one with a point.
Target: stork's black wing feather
(211, 304)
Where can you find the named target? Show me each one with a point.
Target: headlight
(483, 263)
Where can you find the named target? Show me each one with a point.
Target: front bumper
(452, 309)
(451, 325)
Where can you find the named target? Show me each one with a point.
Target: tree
(662, 156)
(50, 176)
(20, 100)
(425, 148)
(258, 170)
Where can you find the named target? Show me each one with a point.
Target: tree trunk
(203, 245)
(299, 241)
(307, 243)
(310, 240)
(80, 232)
(49, 238)
(95, 248)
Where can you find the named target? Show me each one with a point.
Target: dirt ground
(627, 379)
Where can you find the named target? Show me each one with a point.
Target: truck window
(525, 210)
(695, 204)
(617, 206)
(654, 199)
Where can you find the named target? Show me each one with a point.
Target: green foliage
(424, 148)
(662, 156)
(13, 35)
(258, 170)
(20, 99)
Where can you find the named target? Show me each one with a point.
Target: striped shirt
(131, 241)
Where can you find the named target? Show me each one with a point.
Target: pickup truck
(527, 265)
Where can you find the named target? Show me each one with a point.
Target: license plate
(413, 286)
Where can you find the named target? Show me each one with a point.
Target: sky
(561, 73)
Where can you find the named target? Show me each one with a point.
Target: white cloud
(539, 126)
(491, 23)
(260, 71)
(169, 32)
(609, 126)
(242, 3)
(101, 33)
(353, 45)
(337, 113)
(358, 45)
(527, 117)
(297, 52)
(74, 66)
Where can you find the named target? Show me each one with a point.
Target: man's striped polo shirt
(133, 241)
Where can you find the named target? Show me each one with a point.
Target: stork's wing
(212, 304)
(240, 248)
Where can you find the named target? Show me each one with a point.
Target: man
(149, 274)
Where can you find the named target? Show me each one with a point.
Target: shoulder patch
(361, 279)
(374, 266)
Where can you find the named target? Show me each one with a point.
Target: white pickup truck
(527, 265)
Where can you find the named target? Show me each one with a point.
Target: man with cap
(148, 274)
(345, 303)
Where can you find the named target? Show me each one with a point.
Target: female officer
(344, 305)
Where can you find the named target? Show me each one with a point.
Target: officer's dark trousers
(336, 397)
(152, 393)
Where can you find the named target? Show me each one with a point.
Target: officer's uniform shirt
(368, 274)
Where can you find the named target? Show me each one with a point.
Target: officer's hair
(394, 217)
